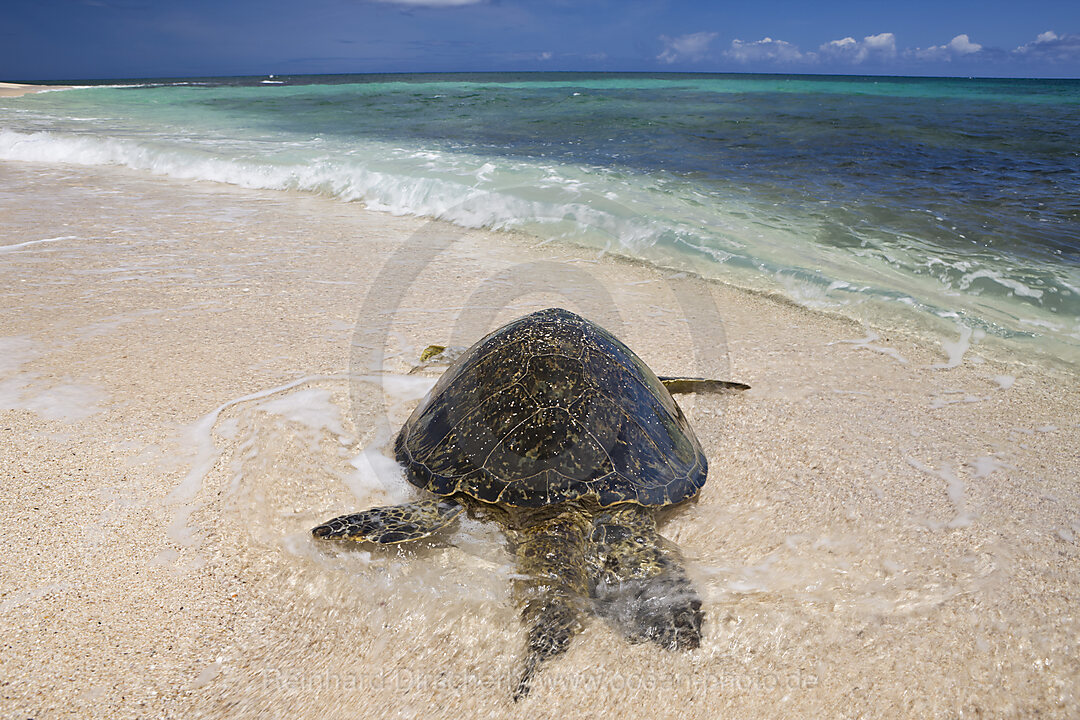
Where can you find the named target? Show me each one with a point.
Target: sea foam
(709, 208)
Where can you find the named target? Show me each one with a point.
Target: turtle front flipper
(639, 586)
(700, 385)
(438, 355)
(392, 524)
(551, 591)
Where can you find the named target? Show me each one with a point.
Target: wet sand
(18, 89)
(192, 376)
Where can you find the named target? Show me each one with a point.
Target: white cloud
(957, 47)
(1051, 47)
(685, 48)
(962, 45)
(842, 45)
(842, 49)
(872, 47)
(873, 51)
(878, 46)
(765, 49)
(433, 3)
(930, 54)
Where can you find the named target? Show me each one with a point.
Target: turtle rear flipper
(551, 558)
(638, 585)
(700, 385)
(392, 524)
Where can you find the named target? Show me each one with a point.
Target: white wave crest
(1015, 285)
(485, 196)
(661, 218)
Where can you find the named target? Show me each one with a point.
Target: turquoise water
(946, 198)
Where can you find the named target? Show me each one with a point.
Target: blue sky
(98, 39)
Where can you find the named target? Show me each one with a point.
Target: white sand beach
(193, 375)
(19, 89)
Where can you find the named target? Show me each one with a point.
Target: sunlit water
(885, 197)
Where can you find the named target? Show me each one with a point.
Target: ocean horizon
(325, 78)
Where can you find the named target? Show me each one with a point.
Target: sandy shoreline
(18, 89)
(186, 382)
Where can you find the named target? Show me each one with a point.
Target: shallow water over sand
(889, 527)
(918, 198)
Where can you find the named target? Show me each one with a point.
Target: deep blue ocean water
(952, 198)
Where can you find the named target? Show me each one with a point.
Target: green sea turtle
(556, 429)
